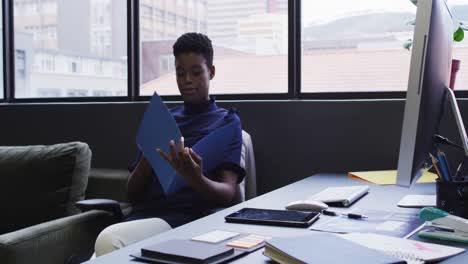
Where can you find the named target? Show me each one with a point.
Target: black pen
(349, 215)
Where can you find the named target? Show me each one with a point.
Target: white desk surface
(379, 197)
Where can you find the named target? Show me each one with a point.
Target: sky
(316, 11)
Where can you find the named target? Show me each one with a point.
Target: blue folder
(158, 127)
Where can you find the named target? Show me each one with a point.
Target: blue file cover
(158, 127)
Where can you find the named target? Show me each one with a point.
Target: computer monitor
(431, 58)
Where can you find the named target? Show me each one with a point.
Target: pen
(436, 167)
(445, 168)
(349, 215)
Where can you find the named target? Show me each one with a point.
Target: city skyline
(56, 56)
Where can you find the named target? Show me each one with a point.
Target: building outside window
(240, 45)
(357, 46)
(346, 46)
(54, 32)
(20, 64)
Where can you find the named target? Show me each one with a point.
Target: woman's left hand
(185, 161)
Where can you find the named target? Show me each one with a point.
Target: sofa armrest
(55, 241)
(107, 184)
(108, 205)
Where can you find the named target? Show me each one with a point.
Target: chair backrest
(248, 187)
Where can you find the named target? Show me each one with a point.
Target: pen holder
(452, 197)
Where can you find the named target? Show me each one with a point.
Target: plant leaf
(415, 2)
(408, 43)
(458, 35)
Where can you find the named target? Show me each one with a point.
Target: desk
(379, 197)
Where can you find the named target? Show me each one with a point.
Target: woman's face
(193, 77)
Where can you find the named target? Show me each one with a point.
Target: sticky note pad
(215, 236)
(247, 242)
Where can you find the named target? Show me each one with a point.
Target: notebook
(323, 248)
(409, 250)
(340, 196)
(158, 127)
(187, 251)
(387, 177)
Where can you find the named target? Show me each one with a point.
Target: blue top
(195, 122)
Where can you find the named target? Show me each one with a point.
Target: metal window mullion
(294, 49)
(133, 50)
(8, 51)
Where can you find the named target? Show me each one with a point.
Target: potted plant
(458, 36)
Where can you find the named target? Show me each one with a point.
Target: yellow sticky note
(387, 177)
(249, 241)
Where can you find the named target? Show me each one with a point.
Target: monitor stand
(461, 130)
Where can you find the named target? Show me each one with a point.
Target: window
(250, 41)
(57, 58)
(357, 46)
(1, 55)
(460, 11)
(346, 46)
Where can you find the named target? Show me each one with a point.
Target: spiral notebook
(410, 250)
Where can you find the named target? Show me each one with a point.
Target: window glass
(249, 38)
(357, 46)
(1, 54)
(460, 12)
(70, 48)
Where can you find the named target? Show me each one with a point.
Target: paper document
(215, 236)
(387, 177)
(397, 224)
(406, 249)
(158, 127)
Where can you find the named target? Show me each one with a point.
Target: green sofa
(39, 187)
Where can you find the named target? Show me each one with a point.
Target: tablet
(273, 217)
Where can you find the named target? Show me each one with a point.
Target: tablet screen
(268, 216)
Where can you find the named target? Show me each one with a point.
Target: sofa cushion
(41, 183)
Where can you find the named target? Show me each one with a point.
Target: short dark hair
(194, 42)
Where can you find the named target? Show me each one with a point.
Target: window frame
(133, 70)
